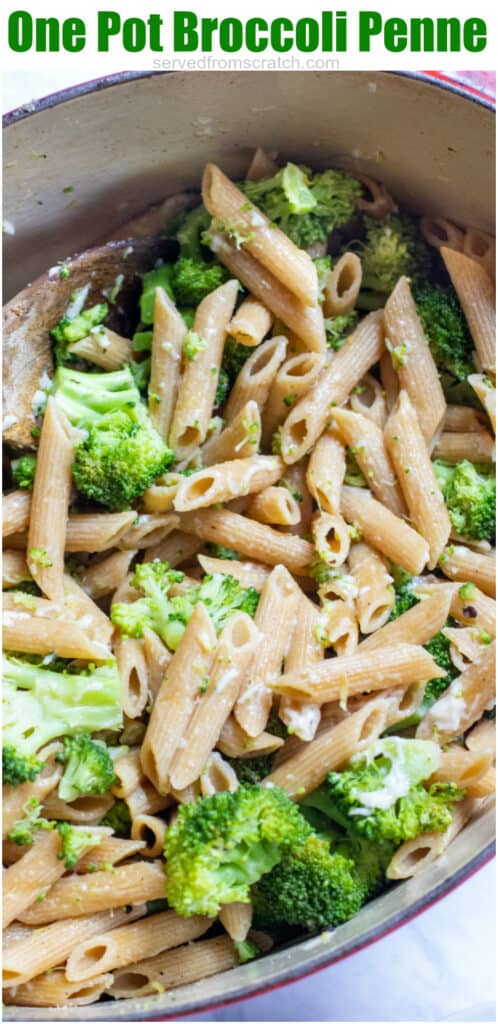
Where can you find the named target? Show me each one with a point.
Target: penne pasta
(293, 380)
(251, 323)
(301, 717)
(463, 703)
(342, 286)
(368, 398)
(325, 472)
(105, 576)
(49, 503)
(227, 480)
(475, 290)
(461, 563)
(275, 506)
(255, 379)
(368, 444)
(486, 393)
(166, 354)
(53, 989)
(23, 882)
(375, 593)
(74, 896)
(180, 966)
(239, 440)
(16, 512)
(416, 626)
(388, 533)
(331, 538)
(249, 538)
(477, 446)
(104, 348)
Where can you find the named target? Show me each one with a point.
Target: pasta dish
(248, 575)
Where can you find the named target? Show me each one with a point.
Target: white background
(439, 967)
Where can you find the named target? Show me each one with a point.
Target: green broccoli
(193, 345)
(142, 341)
(40, 705)
(234, 358)
(23, 830)
(380, 794)
(312, 888)
(469, 492)
(405, 595)
(168, 616)
(77, 323)
(354, 476)
(449, 338)
(193, 279)
(189, 234)
(307, 206)
(140, 372)
(74, 842)
(252, 769)
(120, 453)
(339, 328)
(323, 266)
(89, 767)
(218, 551)
(393, 247)
(221, 844)
(246, 950)
(118, 818)
(158, 278)
(23, 471)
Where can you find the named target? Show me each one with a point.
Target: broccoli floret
(449, 338)
(323, 266)
(221, 844)
(252, 769)
(469, 492)
(405, 595)
(218, 551)
(307, 206)
(40, 705)
(246, 950)
(158, 278)
(353, 476)
(339, 328)
(89, 767)
(140, 372)
(76, 324)
(74, 842)
(118, 818)
(120, 453)
(168, 616)
(380, 794)
(234, 357)
(439, 647)
(22, 831)
(23, 471)
(193, 279)
(312, 888)
(393, 246)
(189, 234)
(142, 341)
(193, 344)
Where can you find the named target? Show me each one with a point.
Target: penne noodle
(463, 703)
(326, 471)
(180, 966)
(151, 830)
(413, 358)
(158, 498)
(309, 417)
(477, 446)
(53, 989)
(23, 882)
(486, 393)
(88, 614)
(375, 593)
(86, 810)
(239, 440)
(251, 323)
(416, 854)
(249, 538)
(97, 531)
(145, 799)
(49, 503)
(295, 477)
(463, 767)
(343, 285)
(293, 380)
(177, 549)
(236, 919)
(481, 248)
(485, 786)
(475, 290)
(16, 512)
(302, 718)
(103, 347)
(157, 659)
(362, 672)
(275, 620)
(196, 393)
(416, 626)
(388, 533)
(148, 531)
(217, 776)
(273, 249)
(25, 632)
(249, 574)
(275, 506)
(262, 166)
(331, 538)
(368, 398)
(338, 627)
(132, 669)
(377, 201)
(16, 798)
(129, 773)
(407, 448)
(227, 480)
(461, 563)
(390, 381)
(105, 576)
(234, 741)
(14, 569)
(254, 381)
(462, 419)
(168, 335)
(439, 232)
(368, 445)
(482, 737)
(111, 850)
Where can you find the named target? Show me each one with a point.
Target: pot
(80, 162)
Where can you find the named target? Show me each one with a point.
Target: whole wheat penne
(49, 503)
(239, 440)
(249, 574)
(416, 626)
(159, 496)
(376, 200)
(30, 957)
(111, 850)
(16, 798)
(14, 569)
(338, 627)
(375, 592)
(157, 659)
(305, 321)
(266, 243)
(293, 380)
(175, 701)
(90, 617)
(177, 549)
(133, 942)
(308, 768)
(151, 830)
(426, 507)
(232, 659)
(86, 810)
(16, 512)
(383, 530)
(478, 446)
(275, 621)
(463, 767)
(217, 776)
(25, 632)
(197, 388)
(481, 247)
(368, 398)
(475, 290)
(482, 737)
(486, 393)
(254, 381)
(331, 538)
(325, 472)
(439, 231)
(309, 417)
(484, 786)
(463, 702)
(463, 419)
(234, 741)
(77, 895)
(236, 919)
(167, 340)
(103, 347)
(52, 989)
(105, 576)
(132, 669)
(275, 506)
(148, 530)
(476, 609)
(129, 773)
(179, 966)
(145, 799)
(343, 285)
(413, 358)
(390, 380)
(416, 854)
(461, 563)
(40, 867)
(295, 478)
(228, 480)
(93, 532)
(362, 672)
(465, 644)
(249, 538)
(251, 323)
(262, 165)
(368, 444)
(302, 718)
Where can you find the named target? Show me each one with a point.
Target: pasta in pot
(297, 578)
